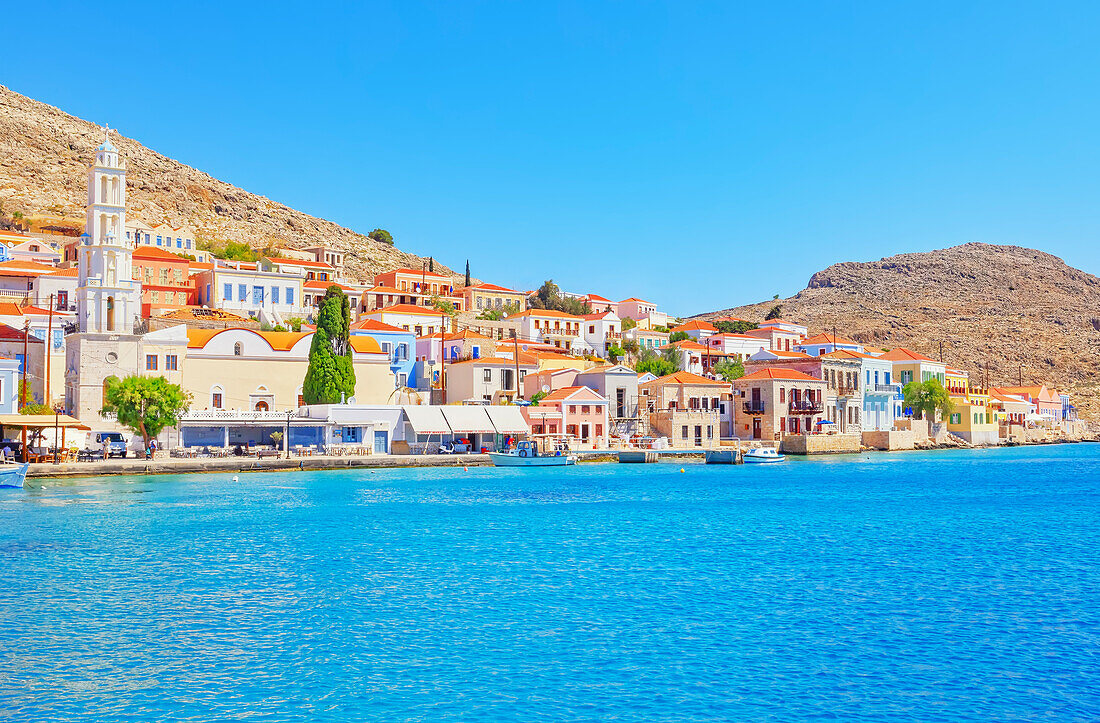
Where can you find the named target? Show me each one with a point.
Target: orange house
(166, 282)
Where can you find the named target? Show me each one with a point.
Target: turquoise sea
(943, 586)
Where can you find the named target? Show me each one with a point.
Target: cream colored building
(259, 371)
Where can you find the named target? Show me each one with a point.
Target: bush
(381, 235)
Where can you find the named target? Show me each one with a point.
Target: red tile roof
(693, 325)
(828, 339)
(552, 313)
(903, 354)
(409, 309)
(686, 378)
(774, 373)
(375, 325)
(298, 262)
(152, 252)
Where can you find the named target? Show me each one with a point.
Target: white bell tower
(108, 300)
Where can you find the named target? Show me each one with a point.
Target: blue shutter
(242, 292)
(274, 294)
(228, 292)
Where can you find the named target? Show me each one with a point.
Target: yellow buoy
(681, 470)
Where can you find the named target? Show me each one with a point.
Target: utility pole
(442, 365)
(23, 384)
(49, 353)
(515, 357)
(941, 351)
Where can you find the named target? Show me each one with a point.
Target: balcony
(805, 407)
(847, 391)
(892, 389)
(753, 407)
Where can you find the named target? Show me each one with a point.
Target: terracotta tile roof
(689, 345)
(788, 354)
(195, 313)
(493, 287)
(686, 378)
(152, 252)
(772, 322)
(774, 373)
(298, 262)
(903, 354)
(828, 339)
(637, 301)
(546, 313)
(564, 393)
(415, 272)
(468, 334)
(72, 273)
(365, 345)
(375, 325)
(391, 290)
(409, 309)
(316, 284)
(846, 354)
(694, 325)
(10, 333)
(495, 361)
(594, 317)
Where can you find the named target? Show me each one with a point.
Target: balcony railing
(887, 388)
(846, 391)
(805, 407)
(753, 407)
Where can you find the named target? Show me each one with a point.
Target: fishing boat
(762, 454)
(526, 454)
(12, 474)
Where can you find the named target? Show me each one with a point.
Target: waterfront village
(439, 366)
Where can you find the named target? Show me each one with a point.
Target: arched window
(261, 406)
(216, 397)
(238, 349)
(106, 383)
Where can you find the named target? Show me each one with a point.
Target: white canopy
(507, 420)
(468, 420)
(426, 419)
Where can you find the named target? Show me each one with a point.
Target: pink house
(548, 380)
(576, 412)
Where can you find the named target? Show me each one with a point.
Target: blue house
(398, 343)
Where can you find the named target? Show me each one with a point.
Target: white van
(113, 442)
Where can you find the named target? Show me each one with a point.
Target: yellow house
(973, 416)
(483, 297)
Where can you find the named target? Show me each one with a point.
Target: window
(187, 244)
(179, 243)
(386, 347)
(782, 395)
(572, 408)
(170, 362)
(956, 418)
(242, 292)
(159, 242)
(591, 328)
(487, 375)
(227, 292)
(216, 400)
(684, 432)
(290, 294)
(238, 349)
(585, 409)
(151, 362)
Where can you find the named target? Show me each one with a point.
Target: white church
(107, 296)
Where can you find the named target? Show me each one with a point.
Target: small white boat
(762, 454)
(12, 474)
(526, 454)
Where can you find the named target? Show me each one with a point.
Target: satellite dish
(546, 388)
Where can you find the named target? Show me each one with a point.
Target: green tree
(774, 313)
(468, 272)
(381, 235)
(443, 305)
(615, 352)
(926, 398)
(330, 378)
(146, 404)
(630, 346)
(537, 397)
(35, 408)
(295, 323)
(498, 314)
(431, 264)
(730, 370)
(678, 336)
(727, 326)
(629, 324)
(662, 364)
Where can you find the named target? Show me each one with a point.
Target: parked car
(113, 442)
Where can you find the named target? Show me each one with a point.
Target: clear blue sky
(698, 155)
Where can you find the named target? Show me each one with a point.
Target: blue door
(258, 295)
(379, 442)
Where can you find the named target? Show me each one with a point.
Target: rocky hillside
(44, 154)
(992, 307)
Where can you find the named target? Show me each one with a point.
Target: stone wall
(820, 443)
(890, 440)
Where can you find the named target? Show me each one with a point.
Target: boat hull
(13, 475)
(751, 459)
(510, 460)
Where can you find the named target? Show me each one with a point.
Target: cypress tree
(431, 264)
(331, 375)
(467, 272)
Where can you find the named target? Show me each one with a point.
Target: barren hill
(44, 155)
(993, 308)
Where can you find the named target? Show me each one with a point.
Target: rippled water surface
(932, 586)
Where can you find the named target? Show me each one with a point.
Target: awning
(426, 419)
(469, 420)
(507, 420)
(41, 420)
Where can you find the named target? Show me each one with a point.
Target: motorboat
(526, 454)
(12, 474)
(762, 454)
